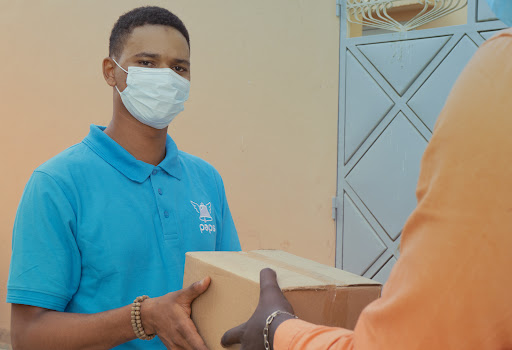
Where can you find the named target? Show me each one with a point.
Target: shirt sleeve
(450, 288)
(45, 264)
(228, 239)
(297, 334)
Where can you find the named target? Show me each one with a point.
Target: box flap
(293, 272)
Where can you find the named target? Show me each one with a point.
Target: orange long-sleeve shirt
(452, 285)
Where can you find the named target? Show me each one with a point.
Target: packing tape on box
(326, 280)
(326, 284)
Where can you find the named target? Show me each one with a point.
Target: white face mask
(154, 96)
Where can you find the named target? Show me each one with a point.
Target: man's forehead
(156, 39)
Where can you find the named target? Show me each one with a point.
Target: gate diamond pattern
(392, 88)
(396, 154)
(428, 101)
(401, 62)
(362, 119)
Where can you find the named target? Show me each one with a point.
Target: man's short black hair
(139, 17)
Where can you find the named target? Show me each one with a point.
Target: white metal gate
(392, 88)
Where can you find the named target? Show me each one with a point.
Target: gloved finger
(268, 279)
(233, 336)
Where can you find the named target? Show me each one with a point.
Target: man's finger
(233, 336)
(268, 279)
(196, 289)
(192, 337)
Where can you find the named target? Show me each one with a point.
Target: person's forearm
(61, 330)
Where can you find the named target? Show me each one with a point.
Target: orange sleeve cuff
(298, 334)
(287, 331)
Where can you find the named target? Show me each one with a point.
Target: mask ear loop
(119, 65)
(122, 69)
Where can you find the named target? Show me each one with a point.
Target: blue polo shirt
(96, 228)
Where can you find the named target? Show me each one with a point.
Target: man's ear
(108, 71)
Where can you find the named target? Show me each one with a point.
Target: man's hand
(250, 333)
(169, 317)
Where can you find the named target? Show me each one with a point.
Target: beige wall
(263, 107)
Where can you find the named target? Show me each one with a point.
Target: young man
(450, 288)
(110, 219)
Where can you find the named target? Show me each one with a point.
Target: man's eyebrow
(181, 60)
(156, 55)
(147, 54)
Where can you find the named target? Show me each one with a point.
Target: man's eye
(145, 63)
(178, 69)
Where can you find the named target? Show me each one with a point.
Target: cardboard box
(318, 293)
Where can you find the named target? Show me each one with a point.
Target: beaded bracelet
(136, 320)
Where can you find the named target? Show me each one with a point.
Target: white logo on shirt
(205, 215)
(204, 210)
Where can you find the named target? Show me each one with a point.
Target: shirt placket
(164, 201)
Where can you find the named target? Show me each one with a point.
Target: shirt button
(166, 214)
(154, 171)
(160, 192)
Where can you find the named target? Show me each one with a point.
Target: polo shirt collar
(136, 170)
